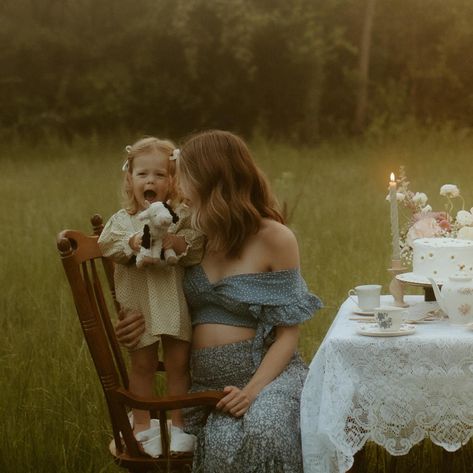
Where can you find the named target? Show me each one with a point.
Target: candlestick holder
(395, 286)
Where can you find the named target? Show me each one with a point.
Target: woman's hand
(236, 402)
(130, 327)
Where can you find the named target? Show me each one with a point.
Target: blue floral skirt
(267, 438)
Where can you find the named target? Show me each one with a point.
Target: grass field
(52, 413)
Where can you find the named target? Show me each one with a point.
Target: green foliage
(168, 65)
(287, 70)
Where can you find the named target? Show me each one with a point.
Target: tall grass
(52, 412)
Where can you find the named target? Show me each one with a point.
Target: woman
(246, 300)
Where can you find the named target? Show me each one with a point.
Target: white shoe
(180, 441)
(150, 440)
(153, 423)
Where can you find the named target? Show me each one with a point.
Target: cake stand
(395, 286)
(416, 280)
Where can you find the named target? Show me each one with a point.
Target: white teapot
(456, 298)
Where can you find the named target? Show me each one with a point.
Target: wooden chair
(81, 258)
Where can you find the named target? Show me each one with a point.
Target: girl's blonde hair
(147, 145)
(233, 194)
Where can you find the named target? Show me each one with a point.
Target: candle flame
(393, 177)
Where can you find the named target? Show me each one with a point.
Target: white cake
(439, 258)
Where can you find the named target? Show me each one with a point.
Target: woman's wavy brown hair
(232, 193)
(147, 145)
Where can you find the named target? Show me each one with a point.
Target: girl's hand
(130, 327)
(174, 242)
(236, 402)
(135, 242)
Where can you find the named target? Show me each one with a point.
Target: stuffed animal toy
(159, 217)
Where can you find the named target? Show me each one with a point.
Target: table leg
(359, 463)
(429, 295)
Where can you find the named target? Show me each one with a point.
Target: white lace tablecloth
(394, 391)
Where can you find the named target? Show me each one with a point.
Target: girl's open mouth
(149, 195)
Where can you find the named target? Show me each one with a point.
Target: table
(394, 391)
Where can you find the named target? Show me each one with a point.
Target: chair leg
(140, 469)
(162, 469)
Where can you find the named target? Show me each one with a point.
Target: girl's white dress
(155, 290)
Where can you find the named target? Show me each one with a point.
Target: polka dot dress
(155, 290)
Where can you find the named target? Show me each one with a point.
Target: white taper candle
(394, 218)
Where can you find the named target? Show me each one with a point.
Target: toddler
(154, 290)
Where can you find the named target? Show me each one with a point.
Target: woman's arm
(282, 253)
(237, 401)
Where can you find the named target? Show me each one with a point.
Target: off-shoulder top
(257, 300)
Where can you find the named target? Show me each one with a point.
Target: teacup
(389, 318)
(368, 296)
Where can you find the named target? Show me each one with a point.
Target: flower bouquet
(421, 221)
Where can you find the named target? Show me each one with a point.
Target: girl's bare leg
(144, 363)
(176, 360)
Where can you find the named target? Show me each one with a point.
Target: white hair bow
(125, 164)
(175, 154)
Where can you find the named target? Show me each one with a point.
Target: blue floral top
(257, 300)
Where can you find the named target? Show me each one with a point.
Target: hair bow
(175, 154)
(125, 164)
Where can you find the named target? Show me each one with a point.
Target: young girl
(154, 290)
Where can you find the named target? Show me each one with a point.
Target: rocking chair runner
(80, 255)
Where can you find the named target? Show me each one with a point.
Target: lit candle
(394, 217)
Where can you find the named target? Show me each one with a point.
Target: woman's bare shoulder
(280, 244)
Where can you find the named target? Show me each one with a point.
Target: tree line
(292, 69)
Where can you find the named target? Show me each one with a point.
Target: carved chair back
(88, 273)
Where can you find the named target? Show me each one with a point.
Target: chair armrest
(203, 398)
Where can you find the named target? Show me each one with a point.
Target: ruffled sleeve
(298, 308)
(288, 302)
(195, 240)
(274, 298)
(279, 298)
(113, 240)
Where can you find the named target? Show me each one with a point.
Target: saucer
(373, 330)
(363, 312)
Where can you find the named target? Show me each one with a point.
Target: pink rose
(424, 228)
(445, 225)
(439, 216)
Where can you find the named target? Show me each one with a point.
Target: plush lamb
(159, 217)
